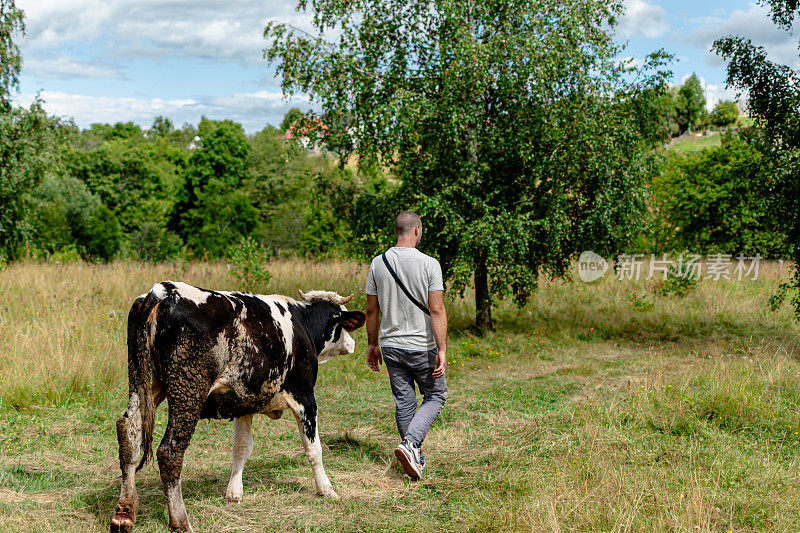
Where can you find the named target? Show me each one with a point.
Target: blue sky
(121, 60)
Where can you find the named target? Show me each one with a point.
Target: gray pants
(406, 368)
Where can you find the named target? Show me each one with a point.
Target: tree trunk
(483, 300)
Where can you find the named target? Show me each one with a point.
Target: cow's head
(338, 322)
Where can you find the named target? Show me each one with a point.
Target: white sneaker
(410, 459)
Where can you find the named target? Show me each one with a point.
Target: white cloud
(252, 110)
(210, 29)
(64, 67)
(754, 24)
(717, 93)
(641, 19)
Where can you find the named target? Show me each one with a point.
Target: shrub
(66, 254)
(248, 260)
(678, 283)
(725, 113)
(102, 237)
(714, 202)
(61, 209)
(153, 243)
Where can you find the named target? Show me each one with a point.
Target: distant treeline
(120, 191)
(162, 193)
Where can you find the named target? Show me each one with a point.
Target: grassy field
(602, 407)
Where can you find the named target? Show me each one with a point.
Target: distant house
(308, 133)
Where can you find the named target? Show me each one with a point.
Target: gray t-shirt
(404, 325)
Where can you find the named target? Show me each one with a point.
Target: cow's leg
(184, 412)
(242, 447)
(305, 411)
(129, 435)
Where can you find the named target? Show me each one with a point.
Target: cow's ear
(352, 320)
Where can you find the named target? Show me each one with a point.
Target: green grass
(597, 407)
(692, 143)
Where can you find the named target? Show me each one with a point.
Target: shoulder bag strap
(403, 287)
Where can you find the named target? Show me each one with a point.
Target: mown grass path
(603, 407)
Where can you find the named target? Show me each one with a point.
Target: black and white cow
(215, 354)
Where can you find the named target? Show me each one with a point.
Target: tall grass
(62, 327)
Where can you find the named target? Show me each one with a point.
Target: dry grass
(602, 407)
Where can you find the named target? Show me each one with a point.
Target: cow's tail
(141, 374)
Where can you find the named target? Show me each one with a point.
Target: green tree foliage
(62, 207)
(101, 236)
(162, 127)
(138, 181)
(725, 113)
(154, 243)
(259, 185)
(164, 130)
(120, 130)
(215, 210)
(713, 202)
(67, 214)
(292, 117)
(27, 139)
(684, 107)
(509, 127)
(774, 101)
(668, 108)
(12, 23)
(691, 102)
(291, 212)
(281, 177)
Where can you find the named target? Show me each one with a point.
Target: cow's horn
(345, 299)
(302, 294)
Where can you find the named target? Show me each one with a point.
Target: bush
(725, 113)
(678, 283)
(102, 236)
(153, 243)
(66, 254)
(61, 208)
(322, 233)
(714, 202)
(248, 260)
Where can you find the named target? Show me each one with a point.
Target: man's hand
(441, 364)
(374, 357)
(439, 325)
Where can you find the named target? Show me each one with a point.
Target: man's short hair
(406, 222)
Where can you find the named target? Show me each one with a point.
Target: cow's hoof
(234, 492)
(123, 518)
(121, 524)
(330, 494)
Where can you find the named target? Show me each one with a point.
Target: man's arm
(374, 358)
(439, 325)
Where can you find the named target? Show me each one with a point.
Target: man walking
(406, 286)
